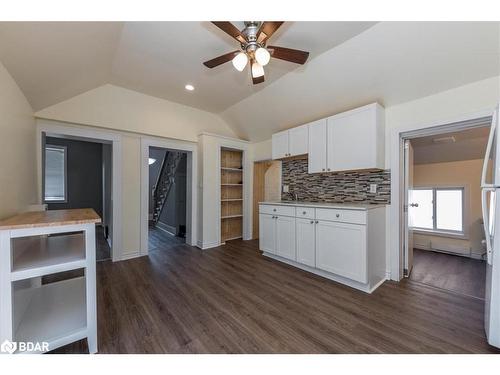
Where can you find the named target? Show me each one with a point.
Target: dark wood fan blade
(220, 60)
(288, 54)
(267, 29)
(230, 29)
(257, 80)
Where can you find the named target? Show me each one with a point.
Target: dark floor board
(231, 299)
(451, 272)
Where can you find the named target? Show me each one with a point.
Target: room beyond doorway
(167, 192)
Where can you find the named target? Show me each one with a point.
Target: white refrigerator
(490, 184)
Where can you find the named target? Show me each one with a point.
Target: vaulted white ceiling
(54, 61)
(351, 64)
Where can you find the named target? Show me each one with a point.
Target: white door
(280, 145)
(490, 184)
(267, 233)
(352, 141)
(306, 233)
(408, 183)
(317, 146)
(341, 249)
(298, 139)
(285, 237)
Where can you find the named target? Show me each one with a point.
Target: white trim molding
(78, 132)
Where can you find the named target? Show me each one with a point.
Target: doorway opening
(167, 198)
(78, 173)
(266, 187)
(443, 235)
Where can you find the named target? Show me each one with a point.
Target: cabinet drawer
(304, 212)
(276, 210)
(345, 216)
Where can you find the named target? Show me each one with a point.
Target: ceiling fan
(253, 42)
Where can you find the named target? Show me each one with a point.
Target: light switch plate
(286, 189)
(373, 188)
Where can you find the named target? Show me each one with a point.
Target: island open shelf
(36, 249)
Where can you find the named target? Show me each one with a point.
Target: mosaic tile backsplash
(335, 187)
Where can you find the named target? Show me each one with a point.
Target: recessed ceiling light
(189, 87)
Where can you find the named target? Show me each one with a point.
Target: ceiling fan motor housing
(250, 32)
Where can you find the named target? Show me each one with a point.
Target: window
(55, 174)
(437, 209)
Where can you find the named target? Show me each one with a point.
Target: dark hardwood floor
(231, 299)
(160, 240)
(103, 251)
(451, 272)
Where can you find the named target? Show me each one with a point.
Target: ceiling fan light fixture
(257, 70)
(262, 56)
(240, 61)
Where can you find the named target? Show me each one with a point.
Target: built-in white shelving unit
(34, 247)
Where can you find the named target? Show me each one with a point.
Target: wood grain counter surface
(50, 218)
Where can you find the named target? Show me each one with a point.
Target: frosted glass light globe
(262, 56)
(240, 61)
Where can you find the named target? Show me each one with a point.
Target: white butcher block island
(344, 242)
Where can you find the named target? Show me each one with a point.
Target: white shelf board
(231, 200)
(56, 313)
(231, 184)
(40, 255)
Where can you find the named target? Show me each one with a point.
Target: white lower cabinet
(341, 249)
(267, 233)
(345, 245)
(305, 241)
(285, 237)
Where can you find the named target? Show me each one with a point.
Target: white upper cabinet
(291, 142)
(347, 141)
(356, 139)
(280, 145)
(298, 140)
(317, 146)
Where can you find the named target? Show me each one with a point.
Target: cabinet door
(285, 237)
(280, 145)
(317, 146)
(298, 139)
(352, 141)
(267, 233)
(341, 249)
(305, 240)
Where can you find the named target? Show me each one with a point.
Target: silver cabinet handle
(312, 221)
(317, 221)
(338, 215)
(323, 169)
(274, 209)
(328, 169)
(303, 212)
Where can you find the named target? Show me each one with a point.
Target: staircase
(165, 183)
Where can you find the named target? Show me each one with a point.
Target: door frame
(191, 149)
(397, 140)
(74, 131)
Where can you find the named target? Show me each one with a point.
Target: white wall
(17, 148)
(117, 108)
(132, 114)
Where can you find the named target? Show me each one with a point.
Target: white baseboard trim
(130, 256)
(207, 245)
(342, 280)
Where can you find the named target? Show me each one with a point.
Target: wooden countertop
(50, 218)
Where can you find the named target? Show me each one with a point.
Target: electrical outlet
(373, 188)
(286, 188)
